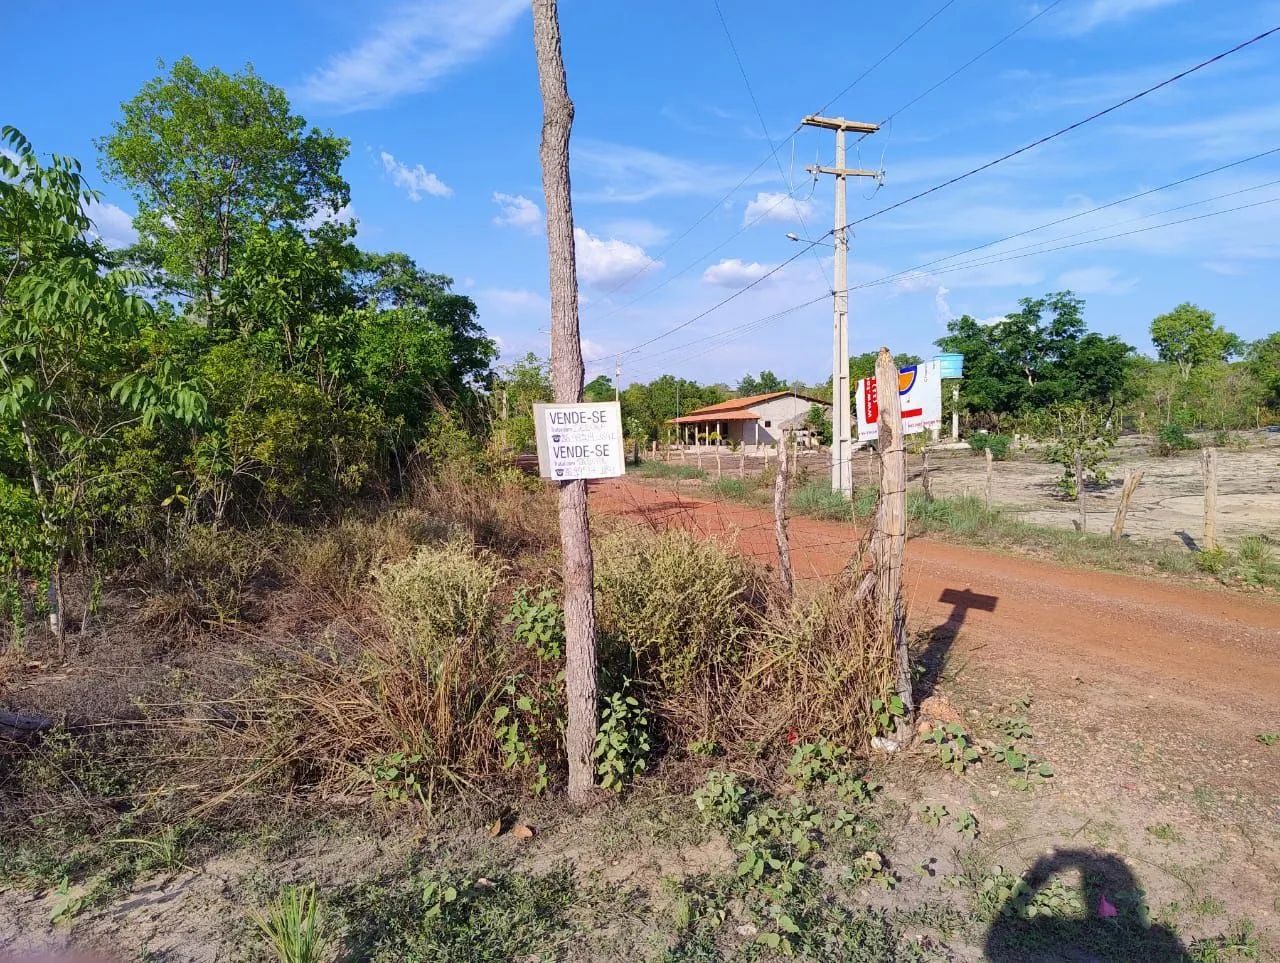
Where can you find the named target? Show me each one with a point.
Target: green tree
(765, 383)
(864, 365)
(517, 387)
(208, 157)
(1189, 336)
(71, 378)
(1264, 363)
(1036, 357)
(599, 388)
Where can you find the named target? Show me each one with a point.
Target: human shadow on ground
(1100, 915)
(942, 637)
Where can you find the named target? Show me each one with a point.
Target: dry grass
(502, 509)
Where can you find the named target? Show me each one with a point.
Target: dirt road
(1214, 654)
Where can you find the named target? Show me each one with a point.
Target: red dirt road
(1206, 652)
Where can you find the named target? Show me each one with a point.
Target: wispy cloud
(777, 207)
(632, 175)
(411, 48)
(416, 180)
(607, 262)
(516, 210)
(733, 272)
(1094, 280)
(1097, 13)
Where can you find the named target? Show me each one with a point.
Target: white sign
(920, 387)
(580, 441)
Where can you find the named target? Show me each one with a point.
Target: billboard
(920, 387)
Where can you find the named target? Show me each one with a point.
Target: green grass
(739, 489)
(664, 469)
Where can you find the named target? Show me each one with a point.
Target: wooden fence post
(888, 544)
(1131, 479)
(742, 462)
(1209, 464)
(924, 476)
(780, 519)
(990, 476)
(1083, 520)
(717, 461)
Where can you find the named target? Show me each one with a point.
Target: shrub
(998, 445)
(1173, 438)
(681, 606)
(338, 560)
(439, 599)
(293, 928)
(501, 508)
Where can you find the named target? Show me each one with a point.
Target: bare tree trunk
(1209, 464)
(1131, 480)
(581, 684)
(780, 519)
(1083, 521)
(889, 542)
(742, 462)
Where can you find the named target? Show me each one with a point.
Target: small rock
(747, 929)
(884, 744)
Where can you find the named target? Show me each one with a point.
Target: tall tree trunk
(566, 374)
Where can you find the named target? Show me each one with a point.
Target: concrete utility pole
(617, 375)
(841, 408)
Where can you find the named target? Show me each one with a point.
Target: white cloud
(1096, 13)
(776, 207)
(415, 45)
(993, 320)
(733, 272)
(593, 350)
(111, 224)
(1094, 280)
(516, 210)
(609, 262)
(417, 180)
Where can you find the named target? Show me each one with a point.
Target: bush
(337, 561)
(681, 606)
(500, 508)
(1173, 438)
(998, 445)
(439, 599)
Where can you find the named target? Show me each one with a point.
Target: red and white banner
(920, 387)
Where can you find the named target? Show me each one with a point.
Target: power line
(772, 155)
(729, 334)
(742, 69)
(968, 63)
(1066, 130)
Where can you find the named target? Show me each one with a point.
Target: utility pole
(841, 408)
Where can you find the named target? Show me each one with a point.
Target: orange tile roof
(701, 415)
(734, 403)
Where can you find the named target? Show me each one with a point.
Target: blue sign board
(952, 365)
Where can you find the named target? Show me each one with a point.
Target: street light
(797, 237)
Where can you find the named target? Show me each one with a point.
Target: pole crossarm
(842, 171)
(839, 123)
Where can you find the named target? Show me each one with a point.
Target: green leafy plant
(537, 622)
(815, 762)
(888, 713)
(1268, 738)
(966, 824)
(293, 927)
(933, 814)
(67, 903)
(1212, 561)
(998, 445)
(622, 742)
(525, 723)
(956, 751)
(871, 867)
(1026, 766)
(1173, 438)
(395, 777)
(721, 799)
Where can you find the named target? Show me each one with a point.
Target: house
(752, 421)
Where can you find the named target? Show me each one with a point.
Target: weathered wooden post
(1083, 521)
(742, 462)
(990, 476)
(924, 476)
(780, 518)
(888, 543)
(1131, 479)
(1209, 465)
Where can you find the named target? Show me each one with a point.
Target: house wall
(776, 413)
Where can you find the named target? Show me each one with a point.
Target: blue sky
(440, 102)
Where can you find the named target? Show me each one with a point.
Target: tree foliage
(1189, 336)
(1039, 356)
